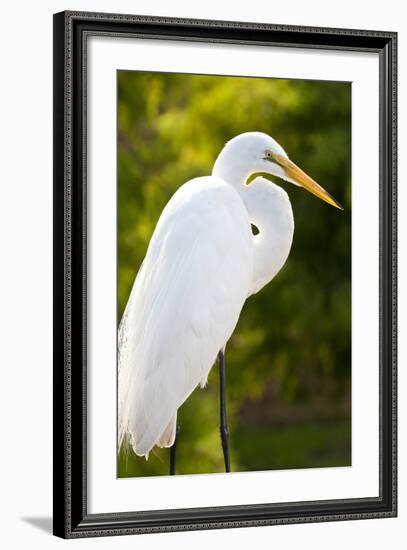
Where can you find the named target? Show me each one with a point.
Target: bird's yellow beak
(297, 176)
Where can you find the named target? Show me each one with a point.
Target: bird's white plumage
(183, 308)
(201, 265)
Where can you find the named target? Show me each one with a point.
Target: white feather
(183, 307)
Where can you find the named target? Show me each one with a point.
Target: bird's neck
(269, 209)
(233, 171)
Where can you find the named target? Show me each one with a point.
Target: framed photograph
(224, 274)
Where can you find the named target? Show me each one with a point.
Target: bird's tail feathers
(167, 438)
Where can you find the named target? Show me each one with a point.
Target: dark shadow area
(42, 523)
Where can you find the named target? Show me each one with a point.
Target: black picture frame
(71, 518)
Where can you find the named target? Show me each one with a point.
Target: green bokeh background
(289, 361)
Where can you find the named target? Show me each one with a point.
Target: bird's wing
(183, 307)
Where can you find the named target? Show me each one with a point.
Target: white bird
(202, 264)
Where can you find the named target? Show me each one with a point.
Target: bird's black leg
(224, 432)
(173, 453)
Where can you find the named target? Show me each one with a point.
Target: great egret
(202, 264)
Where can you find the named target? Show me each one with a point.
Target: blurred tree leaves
(289, 360)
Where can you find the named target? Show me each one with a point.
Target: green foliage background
(289, 360)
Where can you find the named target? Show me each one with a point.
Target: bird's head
(255, 152)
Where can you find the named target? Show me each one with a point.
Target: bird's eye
(268, 154)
